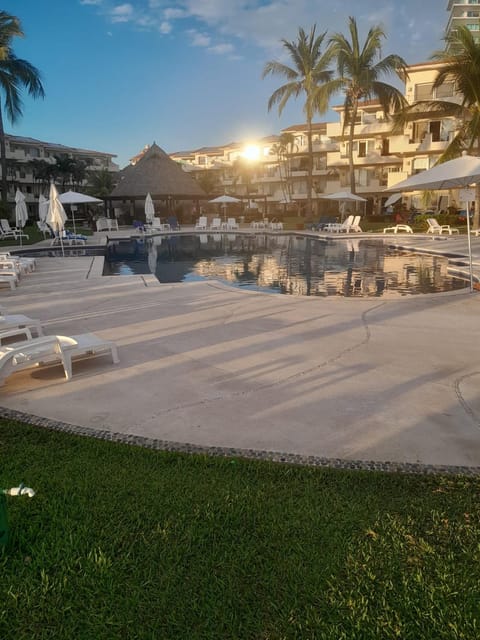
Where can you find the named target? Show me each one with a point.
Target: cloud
(174, 14)
(90, 1)
(122, 13)
(221, 49)
(165, 27)
(199, 39)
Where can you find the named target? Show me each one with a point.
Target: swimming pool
(286, 264)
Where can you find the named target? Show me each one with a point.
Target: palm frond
(279, 69)
(281, 95)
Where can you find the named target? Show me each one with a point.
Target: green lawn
(123, 542)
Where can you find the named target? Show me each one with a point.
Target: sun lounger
(53, 349)
(435, 227)
(29, 263)
(201, 223)
(398, 227)
(10, 279)
(19, 321)
(216, 224)
(8, 231)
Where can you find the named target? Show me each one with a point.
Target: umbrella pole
(469, 239)
(73, 219)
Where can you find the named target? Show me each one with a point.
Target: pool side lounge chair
(231, 224)
(29, 263)
(201, 223)
(355, 226)
(10, 279)
(7, 229)
(19, 321)
(216, 224)
(52, 350)
(336, 227)
(435, 227)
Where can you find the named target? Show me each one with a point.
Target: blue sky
(183, 73)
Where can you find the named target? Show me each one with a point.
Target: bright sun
(252, 152)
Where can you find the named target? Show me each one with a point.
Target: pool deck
(352, 379)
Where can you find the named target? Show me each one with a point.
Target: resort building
(27, 159)
(467, 14)
(271, 173)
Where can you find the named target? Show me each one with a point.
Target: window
(446, 90)
(385, 147)
(473, 26)
(362, 149)
(424, 91)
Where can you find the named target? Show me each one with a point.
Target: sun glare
(252, 152)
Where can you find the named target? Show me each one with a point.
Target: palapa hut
(173, 191)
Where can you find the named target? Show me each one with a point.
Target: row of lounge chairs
(33, 351)
(231, 224)
(12, 268)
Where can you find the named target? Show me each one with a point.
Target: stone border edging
(247, 454)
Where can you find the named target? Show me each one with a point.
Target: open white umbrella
(224, 200)
(74, 197)
(343, 197)
(458, 173)
(149, 209)
(56, 216)
(21, 212)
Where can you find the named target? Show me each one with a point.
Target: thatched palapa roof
(159, 175)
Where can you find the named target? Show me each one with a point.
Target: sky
(119, 75)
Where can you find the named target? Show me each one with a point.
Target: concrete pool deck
(352, 379)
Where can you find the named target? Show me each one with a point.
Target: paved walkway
(366, 379)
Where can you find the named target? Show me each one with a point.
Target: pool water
(286, 264)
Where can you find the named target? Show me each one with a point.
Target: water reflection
(297, 265)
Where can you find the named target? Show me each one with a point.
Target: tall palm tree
(15, 74)
(309, 76)
(360, 69)
(461, 65)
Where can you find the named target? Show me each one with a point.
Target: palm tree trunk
(350, 146)
(476, 214)
(3, 161)
(310, 166)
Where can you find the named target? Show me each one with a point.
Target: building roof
(316, 126)
(156, 173)
(53, 145)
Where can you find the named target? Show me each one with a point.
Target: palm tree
(461, 66)
(359, 71)
(100, 183)
(283, 150)
(15, 74)
(308, 76)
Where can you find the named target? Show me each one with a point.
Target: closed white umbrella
(42, 208)
(56, 216)
(149, 209)
(21, 212)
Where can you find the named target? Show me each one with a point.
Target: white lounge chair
(10, 279)
(231, 224)
(28, 263)
(19, 321)
(216, 224)
(15, 232)
(106, 224)
(44, 228)
(201, 223)
(435, 227)
(336, 227)
(53, 349)
(355, 226)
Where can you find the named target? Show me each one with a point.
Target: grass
(122, 542)
(35, 235)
